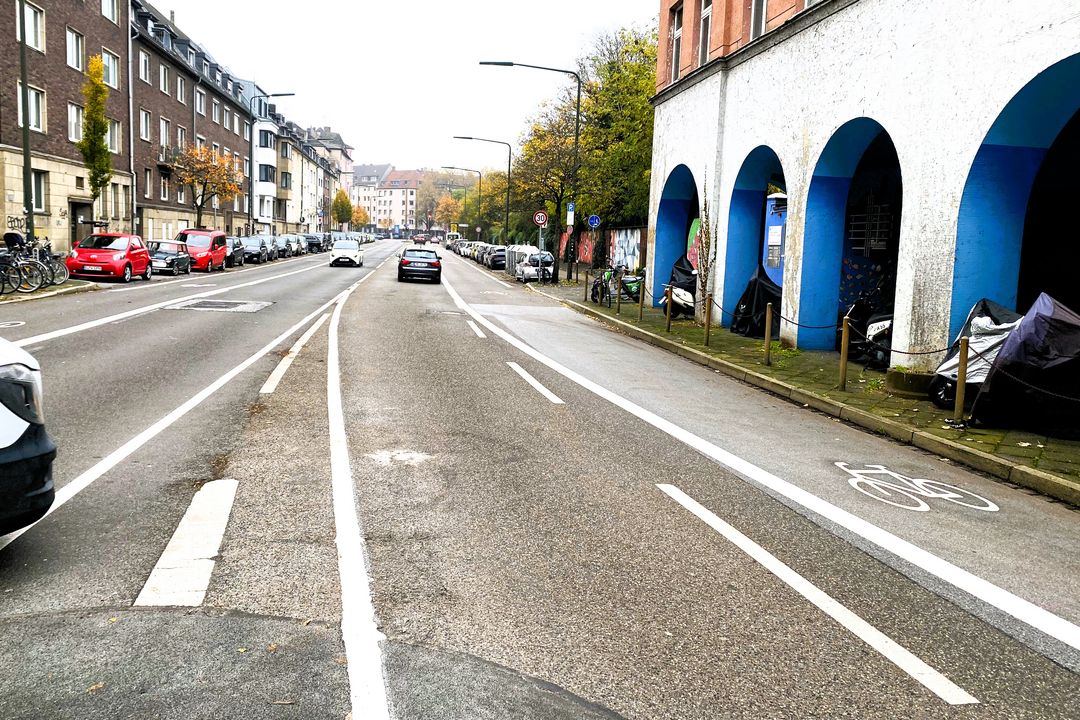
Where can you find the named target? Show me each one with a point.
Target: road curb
(89, 286)
(1041, 481)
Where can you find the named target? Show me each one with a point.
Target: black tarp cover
(749, 316)
(683, 276)
(1034, 383)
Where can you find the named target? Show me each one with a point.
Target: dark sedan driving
(419, 262)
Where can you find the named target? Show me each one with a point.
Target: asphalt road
(465, 501)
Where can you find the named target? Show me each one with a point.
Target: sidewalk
(70, 286)
(810, 378)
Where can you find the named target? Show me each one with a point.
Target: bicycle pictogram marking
(892, 488)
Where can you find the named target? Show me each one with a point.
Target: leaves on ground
(94, 688)
(272, 647)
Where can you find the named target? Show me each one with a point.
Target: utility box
(772, 248)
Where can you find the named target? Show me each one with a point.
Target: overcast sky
(362, 67)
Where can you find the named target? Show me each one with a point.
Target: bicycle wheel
(60, 273)
(889, 494)
(953, 494)
(46, 271)
(10, 278)
(31, 277)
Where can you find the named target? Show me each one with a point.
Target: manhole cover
(239, 306)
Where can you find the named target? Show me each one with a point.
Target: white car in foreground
(346, 252)
(26, 450)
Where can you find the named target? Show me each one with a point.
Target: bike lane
(1026, 547)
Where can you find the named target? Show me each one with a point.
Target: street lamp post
(577, 133)
(251, 143)
(24, 96)
(509, 153)
(479, 193)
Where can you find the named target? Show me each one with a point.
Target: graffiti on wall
(16, 222)
(626, 247)
(586, 242)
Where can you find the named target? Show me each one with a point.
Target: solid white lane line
(73, 488)
(479, 333)
(190, 278)
(535, 383)
(25, 342)
(488, 275)
(279, 372)
(359, 628)
(182, 574)
(1027, 612)
(930, 678)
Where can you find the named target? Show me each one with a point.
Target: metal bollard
(586, 298)
(641, 301)
(845, 336)
(961, 382)
(618, 293)
(768, 334)
(667, 307)
(708, 317)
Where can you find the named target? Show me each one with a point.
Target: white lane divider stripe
(1023, 610)
(227, 275)
(479, 333)
(182, 574)
(934, 681)
(359, 627)
(535, 383)
(279, 372)
(489, 276)
(73, 488)
(26, 342)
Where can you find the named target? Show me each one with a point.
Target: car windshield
(423, 254)
(252, 242)
(164, 247)
(104, 242)
(199, 241)
(345, 245)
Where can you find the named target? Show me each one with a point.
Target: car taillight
(405, 262)
(436, 264)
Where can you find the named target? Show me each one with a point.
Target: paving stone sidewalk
(818, 372)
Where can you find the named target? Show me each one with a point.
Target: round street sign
(477, 228)
(594, 221)
(569, 229)
(540, 217)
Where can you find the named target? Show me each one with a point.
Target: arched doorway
(1014, 238)
(677, 213)
(757, 223)
(852, 232)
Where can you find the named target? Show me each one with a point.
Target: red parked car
(110, 255)
(207, 248)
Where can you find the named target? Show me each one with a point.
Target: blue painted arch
(994, 204)
(678, 210)
(746, 222)
(824, 230)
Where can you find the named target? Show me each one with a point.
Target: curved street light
(479, 192)
(509, 155)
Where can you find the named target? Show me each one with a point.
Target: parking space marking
(1027, 612)
(279, 372)
(555, 400)
(80, 483)
(25, 342)
(479, 333)
(182, 573)
(930, 678)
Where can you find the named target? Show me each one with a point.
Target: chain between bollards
(708, 317)
(961, 382)
(667, 307)
(768, 334)
(845, 336)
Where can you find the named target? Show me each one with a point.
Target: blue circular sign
(594, 221)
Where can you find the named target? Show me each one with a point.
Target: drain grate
(238, 306)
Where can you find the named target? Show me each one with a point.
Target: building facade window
(705, 31)
(286, 180)
(75, 122)
(111, 10)
(247, 167)
(163, 78)
(181, 137)
(164, 132)
(200, 102)
(216, 114)
(676, 41)
(36, 107)
(144, 124)
(164, 187)
(76, 50)
(113, 137)
(35, 26)
(286, 150)
(39, 185)
(181, 90)
(181, 194)
(267, 173)
(144, 66)
(266, 139)
(148, 181)
(758, 18)
(115, 200)
(247, 131)
(111, 66)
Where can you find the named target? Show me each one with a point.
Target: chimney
(172, 16)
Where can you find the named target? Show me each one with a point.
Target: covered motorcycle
(1034, 382)
(987, 327)
(683, 287)
(749, 316)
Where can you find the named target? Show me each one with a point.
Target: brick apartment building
(61, 37)
(182, 96)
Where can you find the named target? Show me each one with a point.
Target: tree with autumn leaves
(209, 174)
(360, 217)
(92, 145)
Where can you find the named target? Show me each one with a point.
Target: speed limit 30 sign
(540, 218)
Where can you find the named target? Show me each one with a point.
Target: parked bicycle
(31, 274)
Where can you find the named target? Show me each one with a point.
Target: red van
(207, 248)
